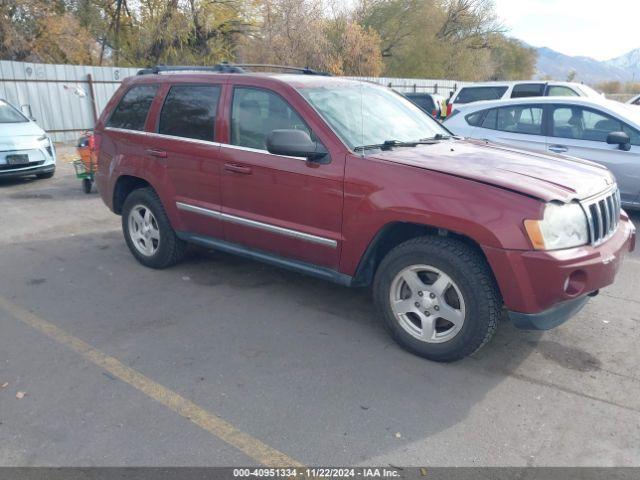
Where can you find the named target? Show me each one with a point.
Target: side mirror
(296, 143)
(621, 139)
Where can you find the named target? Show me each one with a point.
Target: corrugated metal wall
(48, 90)
(51, 92)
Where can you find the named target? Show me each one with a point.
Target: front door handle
(558, 148)
(156, 153)
(235, 168)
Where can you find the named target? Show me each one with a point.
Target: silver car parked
(25, 149)
(602, 131)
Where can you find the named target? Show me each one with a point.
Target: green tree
(512, 60)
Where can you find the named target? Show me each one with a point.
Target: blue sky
(597, 29)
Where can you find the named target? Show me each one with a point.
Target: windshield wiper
(389, 144)
(437, 136)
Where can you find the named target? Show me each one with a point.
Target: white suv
(502, 90)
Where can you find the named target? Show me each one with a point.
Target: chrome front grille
(603, 215)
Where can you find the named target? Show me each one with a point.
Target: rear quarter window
(561, 91)
(477, 94)
(131, 112)
(474, 119)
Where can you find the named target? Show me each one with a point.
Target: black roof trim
(225, 67)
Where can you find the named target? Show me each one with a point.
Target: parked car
(352, 183)
(25, 149)
(478, 92)
(605, 131)
(635, 100)
(432, 103)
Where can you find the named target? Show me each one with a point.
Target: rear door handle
(235, 168)
(156, 153)
(558, 148)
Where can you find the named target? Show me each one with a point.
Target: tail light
(434, 113)
(94, 147)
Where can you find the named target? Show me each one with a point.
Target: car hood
(19, 135)
(547, 177)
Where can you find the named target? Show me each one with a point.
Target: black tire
(43, 176)
(86, 185)
(170, 249)
(473, 276)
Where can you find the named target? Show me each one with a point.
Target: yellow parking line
(208, 421)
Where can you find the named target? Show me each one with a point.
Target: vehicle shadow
(309, 360)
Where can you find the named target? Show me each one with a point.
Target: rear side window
(526, 119)
(190, 111)
(476, 94)
(131, 112)
(255, 113)
(528, 90)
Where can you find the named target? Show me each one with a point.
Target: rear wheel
(438, 298)
(86, 185)
(148, 232)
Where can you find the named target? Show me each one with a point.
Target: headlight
(562, 226)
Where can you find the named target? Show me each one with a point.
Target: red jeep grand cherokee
(351, 182)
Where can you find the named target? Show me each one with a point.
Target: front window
(8, 114)
(366, 114)
(579, 123)
(255, 113)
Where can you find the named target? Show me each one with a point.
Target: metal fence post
(92, 93)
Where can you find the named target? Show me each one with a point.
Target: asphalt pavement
(225, 361)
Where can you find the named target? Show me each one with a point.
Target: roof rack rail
(303, 70)
(225, 67)
(218, 68)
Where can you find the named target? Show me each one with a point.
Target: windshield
(589, 92)
(8, 114)
(366, 114)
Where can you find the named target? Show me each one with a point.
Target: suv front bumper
(25, 172)
(41, 160)
(542, 289)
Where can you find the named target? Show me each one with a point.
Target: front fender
(379, 193)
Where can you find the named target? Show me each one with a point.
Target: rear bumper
(553, 284)
(25, 172)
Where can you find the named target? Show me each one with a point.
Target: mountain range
(556, 65)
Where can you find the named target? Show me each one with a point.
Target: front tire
(438, 298)
(148, 232)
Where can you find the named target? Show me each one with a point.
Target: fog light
(575, 283)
